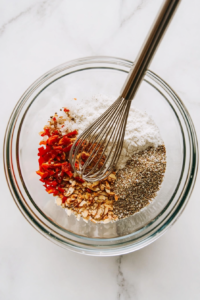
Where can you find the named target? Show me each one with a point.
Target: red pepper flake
(85, 156)
(45, 166)
(43, 151)
(66, 110)
(55, 193)
(65, 141)
(89, 191)
(66, 167)
(51, 190)
(58, 148)
(79, 179)
(63, 198)
(41, 160)
(52, 140)
(45, 132)
(51, 183)
(69, 173)
(68, 148)
(42, 174)
(72, 133)
(61, 190)
(42, 143)
(54, 119)
(76, 165)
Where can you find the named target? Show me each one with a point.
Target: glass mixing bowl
(83, 78)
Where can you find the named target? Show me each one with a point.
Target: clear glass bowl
(81, 79)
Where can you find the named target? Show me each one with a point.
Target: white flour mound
(141, 131)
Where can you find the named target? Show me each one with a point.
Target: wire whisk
(95, 153)
(103, 140)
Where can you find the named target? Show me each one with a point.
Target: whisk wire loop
(102, 141)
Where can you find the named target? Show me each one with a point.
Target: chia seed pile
(138, 183)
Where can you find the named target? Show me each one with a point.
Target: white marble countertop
(37, 35)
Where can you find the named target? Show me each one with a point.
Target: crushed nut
(58, 201)
(69, 192)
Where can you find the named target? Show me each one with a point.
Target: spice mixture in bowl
(152, 181)
(137, 177)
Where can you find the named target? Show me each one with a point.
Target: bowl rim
(110, 60)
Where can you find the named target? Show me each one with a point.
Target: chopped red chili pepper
(63, 157)
(66, 167)
(45, 166)
(62, 184)
(51, 183)
(51, 190)
(76, 165)
(58, 148)
(68, 148)
(54, 153)
(79, 179)
(64, 199)
(42, 143)
(72, 133)
(69, 173)
(59, 164)
(56, 193)
(84, 156)
(42, 174)
(52, 140)
(61, 190)
(45, 132)
(42, 151)
(41, 160)
(64, 141)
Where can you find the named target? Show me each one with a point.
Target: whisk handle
(148, 49)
